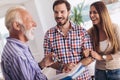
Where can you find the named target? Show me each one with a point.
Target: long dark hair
(107, 25)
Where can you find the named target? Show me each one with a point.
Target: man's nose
(34, 24)
(59, 14)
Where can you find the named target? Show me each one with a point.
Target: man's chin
(59, 24)
(30, 38)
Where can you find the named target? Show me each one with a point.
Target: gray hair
(13, 14)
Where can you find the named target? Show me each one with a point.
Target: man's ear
(69, 12)
(16, 25)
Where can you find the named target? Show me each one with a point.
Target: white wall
(36, 45)
(45, 12)
(44, 17)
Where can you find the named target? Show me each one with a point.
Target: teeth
(93, 19)
(59, 19)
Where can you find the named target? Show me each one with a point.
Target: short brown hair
(57, 2)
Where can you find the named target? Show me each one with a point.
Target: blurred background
(42, 12)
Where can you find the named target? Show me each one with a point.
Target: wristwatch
(104, 57)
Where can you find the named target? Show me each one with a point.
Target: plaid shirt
(68, 49)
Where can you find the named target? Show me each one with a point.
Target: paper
(76, 71)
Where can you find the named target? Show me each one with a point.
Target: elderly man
(17, 60)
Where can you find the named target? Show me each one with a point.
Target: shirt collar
(71, 23)
(18, 42)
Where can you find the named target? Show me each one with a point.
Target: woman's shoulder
(90, 30)
(116, 27)
(117, 31)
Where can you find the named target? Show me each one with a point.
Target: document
(76, 71)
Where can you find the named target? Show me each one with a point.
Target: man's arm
(86, 61)
(48, 50)
(46, 61)
(26, 70)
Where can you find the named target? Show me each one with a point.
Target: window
(3, 35)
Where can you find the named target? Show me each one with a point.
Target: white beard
(30, 33)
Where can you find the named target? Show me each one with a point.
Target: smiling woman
(114, 11)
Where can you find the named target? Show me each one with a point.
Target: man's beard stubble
(60, 23)
(28, 33)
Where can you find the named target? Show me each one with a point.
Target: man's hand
(68, 67)
(87, 61)
(47, 61)
(86, 52)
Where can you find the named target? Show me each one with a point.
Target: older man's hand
(47, 61)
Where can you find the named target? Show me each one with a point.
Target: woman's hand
(96, 55)
(86, 52)
(87, 61)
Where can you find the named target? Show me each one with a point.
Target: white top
(103, 45)
(115, 62)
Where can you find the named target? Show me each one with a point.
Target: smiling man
(17, 61)
(67, 41)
